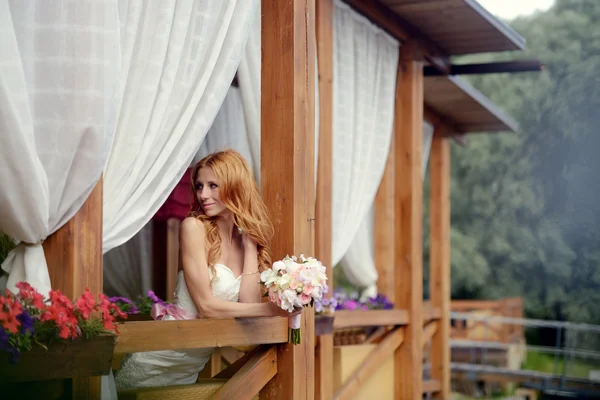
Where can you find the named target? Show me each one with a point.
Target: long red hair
(239, 193)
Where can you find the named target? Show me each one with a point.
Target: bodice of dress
(225, 286)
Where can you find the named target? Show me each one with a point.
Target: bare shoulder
(192, 227)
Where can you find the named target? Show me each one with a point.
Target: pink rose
(305, 298)
(307, 289)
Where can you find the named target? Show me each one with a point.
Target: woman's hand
(248, 242)
(279, 312)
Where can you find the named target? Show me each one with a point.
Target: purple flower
(155, 298)
(3, 339)
(318, 306)
(133, 310)
(26, 323)
(117, 299)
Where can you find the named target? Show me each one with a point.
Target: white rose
(288, 299)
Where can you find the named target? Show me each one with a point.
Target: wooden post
(439, 264)
(324, 31)
(287, 165)
(384, 229)
(408, 210)
(74, 257)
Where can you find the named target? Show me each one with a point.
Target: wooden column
(408, 210)
(74, 257)
(324, 29)
(287, 165)
(384, 229)
(439, 264)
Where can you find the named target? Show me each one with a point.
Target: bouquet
(294, 283)
(27, 318)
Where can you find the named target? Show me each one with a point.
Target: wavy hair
(238, 191)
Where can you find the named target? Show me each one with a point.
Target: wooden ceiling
(457, 26)
(463, 107)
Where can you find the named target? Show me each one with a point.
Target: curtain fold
(365, 61)
(58, 84)
(359, 261)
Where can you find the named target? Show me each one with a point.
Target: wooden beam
(74, 252)
(356, 318)
(251, 377)
(384, 229)
(496, 67)
(370, 365)
(198, 333)
(389, 21)
(432, 386)
(428, 331)
(439, 265)
(408, 209)
(287, 165)
(74, 257)
(323, 214)
(235, 366)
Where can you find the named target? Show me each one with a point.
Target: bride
(224, 247)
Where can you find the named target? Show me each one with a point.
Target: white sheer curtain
(359, 261)
(229, 130)
(130, 266)
(365, 60)
(58, 81)
(179, 58)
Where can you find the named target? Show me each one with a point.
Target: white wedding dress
(176, 367)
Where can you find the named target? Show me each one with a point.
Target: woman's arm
(192, 239)
(250, 285)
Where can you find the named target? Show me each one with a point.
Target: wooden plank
(369, 366)
(428, 331)
(323, 214)
(230, 371)
(432, 386)
(74, 257)
(198, 333)
(74, 252)
(430, 312)
(408, 143)
(287, 165)
(251, 378)
(384, 229)
(439, 265)
(356, 318)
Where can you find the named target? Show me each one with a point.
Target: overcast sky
(509, 9)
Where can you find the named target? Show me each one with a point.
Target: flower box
(324, 325)
(64, 359)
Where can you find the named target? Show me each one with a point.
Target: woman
(224, 245)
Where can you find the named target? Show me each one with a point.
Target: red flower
(30, 295)
(9, 311)
(86, 304)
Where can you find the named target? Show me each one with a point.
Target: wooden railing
(244, 378)
(511, 307)
(388, 336)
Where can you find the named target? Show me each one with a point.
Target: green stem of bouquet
(294, 336)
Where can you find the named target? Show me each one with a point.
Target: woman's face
(207, 192)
